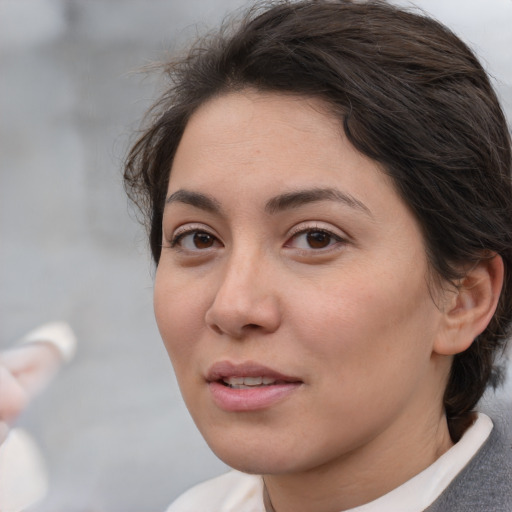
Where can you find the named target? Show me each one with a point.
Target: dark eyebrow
(196, 199)
(302, 197)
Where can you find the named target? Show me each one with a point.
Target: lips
(248, 386)
(226, 370)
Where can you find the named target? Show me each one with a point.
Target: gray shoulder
(485, 484)
(231, 492)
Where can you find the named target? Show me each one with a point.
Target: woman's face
(292, 291)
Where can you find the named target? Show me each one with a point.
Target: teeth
(234, 381)
(253, 381)
(248, 382)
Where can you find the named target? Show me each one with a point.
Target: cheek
(368, 354)
(179, 315)
(366, 325)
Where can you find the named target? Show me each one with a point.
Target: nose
(246, 301)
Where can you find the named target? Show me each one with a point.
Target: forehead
(258, 124)
(243, 149)
(256, 134)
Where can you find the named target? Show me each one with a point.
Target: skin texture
(349, 314)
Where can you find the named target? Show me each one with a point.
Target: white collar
(422, 490)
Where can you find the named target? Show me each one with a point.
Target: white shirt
(239, 492)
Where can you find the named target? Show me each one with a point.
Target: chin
(260, 458)
(260, 465)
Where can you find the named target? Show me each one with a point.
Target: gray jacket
(485, 484)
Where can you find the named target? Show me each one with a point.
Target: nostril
(237, 317)
(216, 329)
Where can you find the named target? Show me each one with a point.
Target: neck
(362, 475)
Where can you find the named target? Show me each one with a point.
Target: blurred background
(112, 427)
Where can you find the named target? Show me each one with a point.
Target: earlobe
(470, 309)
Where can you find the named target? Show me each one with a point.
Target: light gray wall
(113, 428)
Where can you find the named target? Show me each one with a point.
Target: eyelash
(192, 230)
(334, 238)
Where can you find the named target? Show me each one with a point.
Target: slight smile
(248, 386)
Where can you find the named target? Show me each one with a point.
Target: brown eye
(314, 240)
(203, 240)
(195, 240)
(318, 239)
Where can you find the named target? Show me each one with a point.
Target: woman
(328, 196)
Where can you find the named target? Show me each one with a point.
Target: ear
(469, 308)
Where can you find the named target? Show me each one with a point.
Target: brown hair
(409, 94)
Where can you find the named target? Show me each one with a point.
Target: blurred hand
(24, 372)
